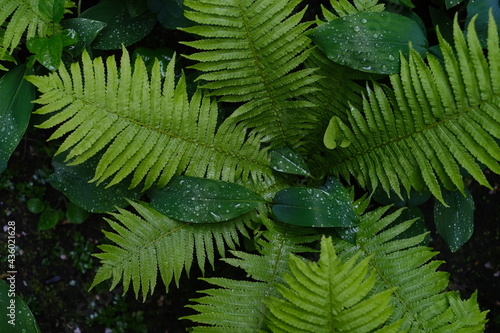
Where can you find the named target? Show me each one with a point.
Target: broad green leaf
(136, 7)
(14, 310)
(35, 205)
(406, 3)
(87, 31)
(170, 13)
(48, 219)
(455, 224)
(192, 199)
(414, 198)
(16, 95)
(452, 3)
(48, 51)
(121, 29)
(52, 9)
(76, 214)
(329, 206)
(287, 160)
(481, 8)
(74, 182)
(335, 134)
(369, 42)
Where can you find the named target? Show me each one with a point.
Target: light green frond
(239, 306)
(153, 131)
(434, 122)
(401, 265)
(330, 296)
(252, 52)
(345, 8)
(23, 18)
(150, 243)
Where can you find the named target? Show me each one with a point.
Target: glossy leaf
(76, 214)
(52, 9)
(19, 312)
(329, 206)
(74, 182)
(48, 51)
(192, 199)
(121, 29)
(170, 13)
(87, 31)
(287, 160)
(455, 224)
(452, 3)
(369, 42)
(16, 95)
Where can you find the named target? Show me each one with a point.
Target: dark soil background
(55, 267)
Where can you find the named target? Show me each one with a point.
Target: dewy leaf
(370, 42)
(481, 8)
(48, 51)
(15, 310)
(87, 31)
(452, 3)
(287, 160)
(329, 206)
(456, 222)
(16, 95)
(121, 28)
(73, 182)
(193, 199)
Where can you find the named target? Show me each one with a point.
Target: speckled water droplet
(357, 28)
(364, 20)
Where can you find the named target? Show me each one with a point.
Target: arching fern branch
(330, 296)
(434, 121)
(403, 266)
(150, 242)
(24, 17)
(152, 131)
(239, 306)
(251, 53)
(344, 8)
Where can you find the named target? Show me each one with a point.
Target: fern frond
(150, 242)
(153, 131)
(23, 17)
(252, 53)
(345, 8)
(435, 121)
(401, 265)
(239, 306)
(330, 296)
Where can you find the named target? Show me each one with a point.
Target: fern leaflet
(419, 298)
(434, 121)
(251, 53)
(153, 131)
(150, 242)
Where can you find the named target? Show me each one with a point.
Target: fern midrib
(262, 77)
(421, 130)
(396, 294)
(172, 135)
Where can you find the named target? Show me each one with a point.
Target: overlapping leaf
(152, 131)
(434, 121)
(251, 53)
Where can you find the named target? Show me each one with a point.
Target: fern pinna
(438, 117)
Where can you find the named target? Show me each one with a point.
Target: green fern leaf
(150, 242)
(153, 131)
(330, 296)
(401, 265)
(345, 8)
(239, 306)
(24, 17)
(251, 53)
(435, 121)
